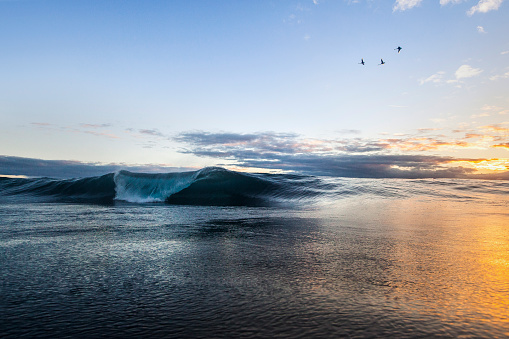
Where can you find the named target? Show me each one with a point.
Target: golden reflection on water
(448, 260)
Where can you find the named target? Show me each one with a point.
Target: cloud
(485, 6)
(402, 156)
(151, 132)
(41, 124)
(480, 115)
(205, 138)
(315, 2)
(95, 125)
(344, 157)
(359, 166)
(500, 76)
(236, 147)
(504, 145)
(435, 78)
(466, 71)
(403, 5)
(100, 134)
(422, 144)
(83, 128)
(496, 128)
(504, 52)
(495, 109)
(446, 2)
(348, 131)
(425, 130)
(463, 72)
(231, 144)
(72, 169)
(480, 29)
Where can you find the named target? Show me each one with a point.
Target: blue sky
(257, 85)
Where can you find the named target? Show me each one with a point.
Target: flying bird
(382, 62)
(398, 49)
(362, 62)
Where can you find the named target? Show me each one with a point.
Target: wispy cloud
(480, 29)
(403, 5)
(95, 125)
(494, 109)
(422, 144)
(100, 134)
(205, 138)
(480, 115)
(496, 128)
(90, 129)
(425, 130)
(504, 145)
(500, 76)
(484, 6)
(435, 78)
(467, 71)
(463, 72)
(349, 131)
(41, 124)
(151, 132)
(446, 2)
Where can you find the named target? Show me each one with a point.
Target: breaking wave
(214, 186)
(208, 186)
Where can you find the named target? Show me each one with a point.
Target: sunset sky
(255, 86)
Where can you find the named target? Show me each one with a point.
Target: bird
(362, 62)
(398, 49)
(381, 62)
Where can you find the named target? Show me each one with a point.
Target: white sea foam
(141, 188)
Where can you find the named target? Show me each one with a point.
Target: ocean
(216, 253)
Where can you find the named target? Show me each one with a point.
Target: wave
(217, 186)
(208, 186)
(100, 189)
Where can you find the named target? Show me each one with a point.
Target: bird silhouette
(382, 62)
(398, 49)
(362, 62)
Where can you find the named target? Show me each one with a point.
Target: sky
(264, 86)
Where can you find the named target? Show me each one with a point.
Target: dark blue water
(345, 258)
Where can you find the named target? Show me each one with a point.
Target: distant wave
(217, 186)
(100, 189)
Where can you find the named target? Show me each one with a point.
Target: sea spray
(146, 188)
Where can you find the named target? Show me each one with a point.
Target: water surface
(378, 258)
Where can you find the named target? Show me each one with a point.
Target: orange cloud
(505, 145)
(424, 144)
(496, 128)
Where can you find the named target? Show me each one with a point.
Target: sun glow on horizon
(486, 166)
